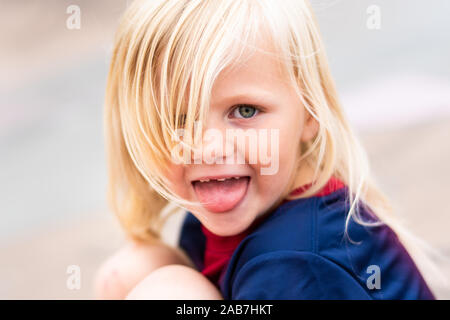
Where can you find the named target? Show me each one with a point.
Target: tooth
(206, 180)
(236, 178)
(221, 179)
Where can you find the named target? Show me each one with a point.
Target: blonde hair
(166, 57)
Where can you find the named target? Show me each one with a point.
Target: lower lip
(219, 197)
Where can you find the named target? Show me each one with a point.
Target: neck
(304, 176)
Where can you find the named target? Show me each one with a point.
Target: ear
(310, 128)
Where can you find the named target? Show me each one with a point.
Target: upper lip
(218, 177)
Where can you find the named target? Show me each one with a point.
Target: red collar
(333, 185)
(222, 243)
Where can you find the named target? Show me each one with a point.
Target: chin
(229, 223)
(227, 232)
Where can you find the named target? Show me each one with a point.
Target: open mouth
(221, 194)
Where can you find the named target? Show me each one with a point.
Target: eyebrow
(251, 95)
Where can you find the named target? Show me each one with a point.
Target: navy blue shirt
(300, 251)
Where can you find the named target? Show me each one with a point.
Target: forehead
(257, 73)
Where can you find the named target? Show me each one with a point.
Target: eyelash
(236, 107)
(230, 115)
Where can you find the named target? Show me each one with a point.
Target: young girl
(227, 109)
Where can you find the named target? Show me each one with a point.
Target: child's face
(231, 206)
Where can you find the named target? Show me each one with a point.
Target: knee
(125, 269)
(175, 282)
(108, 282)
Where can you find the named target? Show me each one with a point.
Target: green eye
(245, 111)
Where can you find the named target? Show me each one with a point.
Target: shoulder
(281, 259)
(294, 275)
(303, 251)
(296, 225)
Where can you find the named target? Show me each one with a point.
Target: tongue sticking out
(220, 196)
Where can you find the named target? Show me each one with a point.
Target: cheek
(176, 180)
(272, 188)
(290, 139)
(287, 145)
(282, 140)
(278, 135)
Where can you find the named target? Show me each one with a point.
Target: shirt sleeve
(294, 275)
(192, 240)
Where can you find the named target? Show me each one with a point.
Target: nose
(215, 147)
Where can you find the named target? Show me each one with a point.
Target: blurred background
(390, 60)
